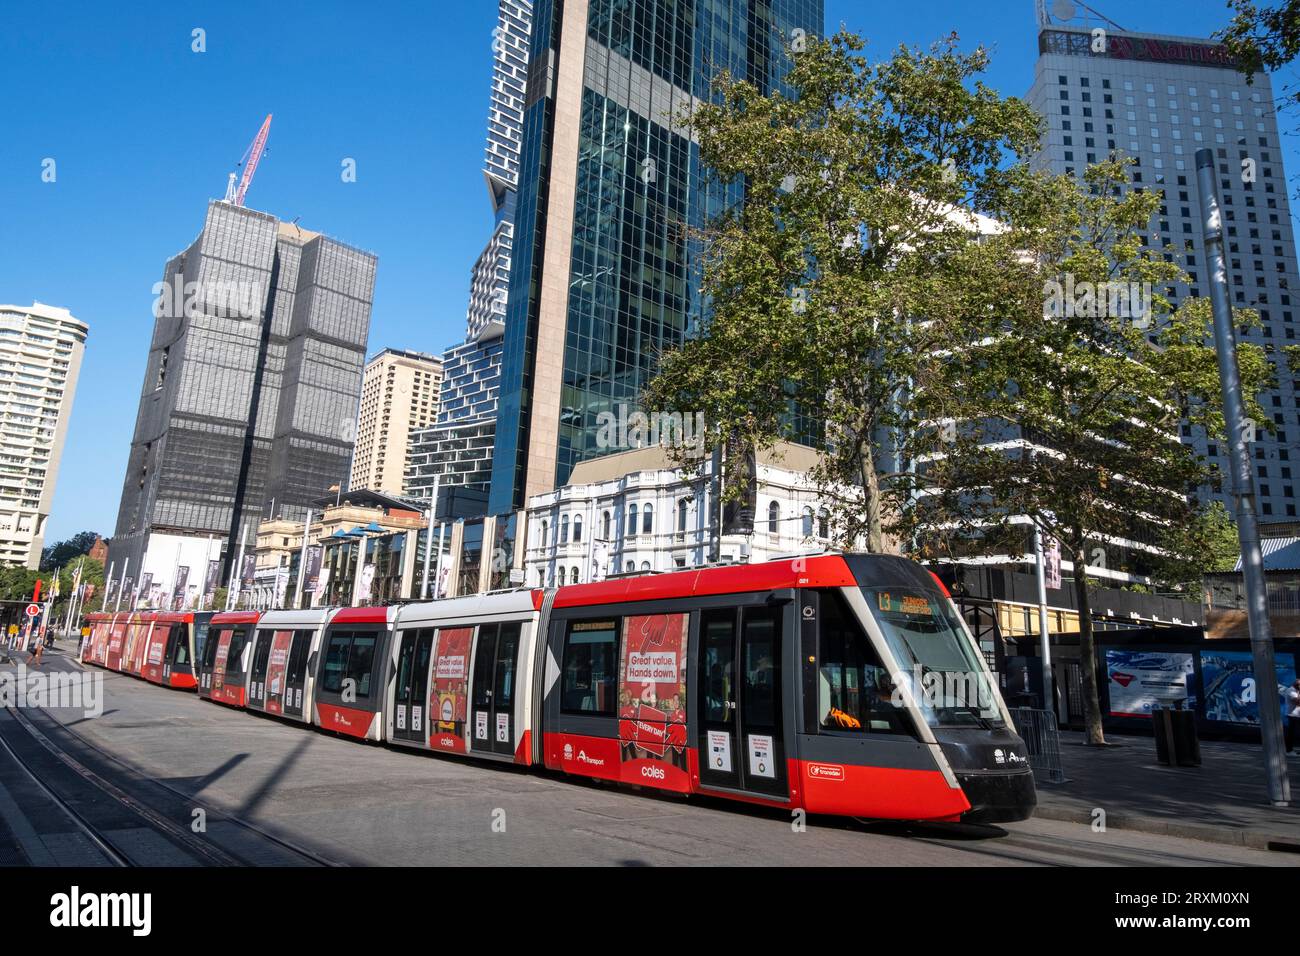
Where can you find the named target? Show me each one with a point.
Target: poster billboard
(652, 689)
(1228, 678)
(1137, 681)
(449, 696)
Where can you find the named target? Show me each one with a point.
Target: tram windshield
(939, 663)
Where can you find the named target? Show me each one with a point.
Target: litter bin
(1176, 741)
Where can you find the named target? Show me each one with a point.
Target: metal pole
(428, 538)
(108, 582)
(302, 561)
(232, 594)
(437, 570)
(1049, 697)
(203, 581)
(126, 566)
(135, 600)
(1243, 489)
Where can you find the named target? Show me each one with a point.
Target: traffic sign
(33, 610)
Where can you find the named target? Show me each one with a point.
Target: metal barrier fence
(1039, 731)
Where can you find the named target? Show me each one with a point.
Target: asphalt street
(134, 781)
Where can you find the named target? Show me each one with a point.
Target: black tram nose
(998, 796)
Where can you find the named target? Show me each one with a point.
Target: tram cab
(223, 669)
(842, 684)
(281, 678)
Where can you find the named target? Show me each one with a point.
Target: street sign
(33, 610)
(13, 630)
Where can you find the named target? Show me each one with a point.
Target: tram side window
(349, 655)
(336, 660)
(210, 651)
(235, 655)
(590, 684)
(182, 653)
(854, 690)
(360, 661)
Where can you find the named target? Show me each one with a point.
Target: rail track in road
(133, 822)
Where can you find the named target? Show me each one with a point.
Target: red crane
(252, 156)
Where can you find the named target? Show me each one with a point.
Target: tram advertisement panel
(219, 665)
(449, 697)
(652, 699)
(1137, 681)
(277, 666)
(1229, 681)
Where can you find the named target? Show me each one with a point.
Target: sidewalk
(1225, 800)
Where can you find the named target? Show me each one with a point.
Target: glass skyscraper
(609, 187)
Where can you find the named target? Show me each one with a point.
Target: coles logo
(654, 773)
(825, 771)
(447, 741)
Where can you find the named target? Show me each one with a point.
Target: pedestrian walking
(38, 648)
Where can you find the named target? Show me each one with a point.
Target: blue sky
(144, 131)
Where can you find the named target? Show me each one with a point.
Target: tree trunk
(1093, 735)
(871, 492)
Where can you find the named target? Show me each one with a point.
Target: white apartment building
(399, 395)
(40, 357)
(634, 512)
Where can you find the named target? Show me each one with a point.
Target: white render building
(634, 512)
(40, 357)
(1159, 98)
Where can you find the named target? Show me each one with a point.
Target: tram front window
(940, 665)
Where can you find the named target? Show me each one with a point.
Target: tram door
(412, 689)
(295, 676)
(741, 742)
(493, 693)
(257, 675)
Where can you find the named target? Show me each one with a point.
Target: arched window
(648, 520)
(631, 566)
(573, 575)
(561, 576)
(645, 565)
(564, 530)
(807, 522)
(577, 529)
(681, 515)
(774, 518)
(823, 524)
(546, 533)
(604, 526)
(631, 520)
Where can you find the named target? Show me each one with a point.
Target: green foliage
(851, 259)
(1264, 38)
(61, 552)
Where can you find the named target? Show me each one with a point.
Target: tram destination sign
(1117, 46)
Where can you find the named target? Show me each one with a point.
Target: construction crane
(252, 155)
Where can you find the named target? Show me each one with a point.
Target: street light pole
(1243, 489)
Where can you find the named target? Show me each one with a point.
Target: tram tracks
(112, 816)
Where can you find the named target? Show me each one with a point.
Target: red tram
(159, 647)
(840, 684)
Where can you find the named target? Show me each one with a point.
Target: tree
(1072, 413)
(61, 552)
(1264, 38)
(857, 222)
